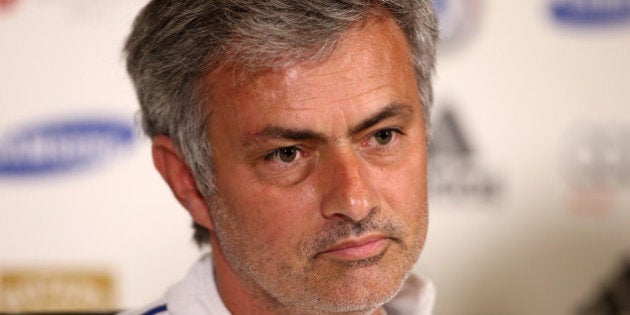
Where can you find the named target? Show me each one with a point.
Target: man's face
(321, 175)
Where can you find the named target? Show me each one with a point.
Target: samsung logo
(591, 12)
(62, 145)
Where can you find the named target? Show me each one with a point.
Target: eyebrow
(389, 111)
(277, 132)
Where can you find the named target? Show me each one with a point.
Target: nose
(347, 186)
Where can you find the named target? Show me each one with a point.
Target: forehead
(370, 62)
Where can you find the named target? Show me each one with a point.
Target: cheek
(275, 218)
(408, 201)
(405, 187)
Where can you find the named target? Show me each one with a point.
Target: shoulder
(196, 294)
(157, 308)
(416, 296)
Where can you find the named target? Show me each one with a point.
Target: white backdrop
(530, 165)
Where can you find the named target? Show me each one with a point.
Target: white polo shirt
(197, 294)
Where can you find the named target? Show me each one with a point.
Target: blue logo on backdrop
(458, 20)
(62, 145)
(591, 12)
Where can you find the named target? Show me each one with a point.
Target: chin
(363, 294)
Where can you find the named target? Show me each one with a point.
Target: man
(294, 133)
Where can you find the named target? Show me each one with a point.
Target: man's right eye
(283, 155)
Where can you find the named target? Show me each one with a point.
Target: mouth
(355, 249)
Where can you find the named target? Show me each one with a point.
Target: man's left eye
(385, 136)
(287, 155)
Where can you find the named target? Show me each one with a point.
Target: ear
(178, 176)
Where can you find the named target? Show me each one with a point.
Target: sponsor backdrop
(529, 163)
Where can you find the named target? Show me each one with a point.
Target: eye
(288, 154)
(384, 136)
(285, 154)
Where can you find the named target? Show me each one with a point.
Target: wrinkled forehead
(370, 69)
(379, 34)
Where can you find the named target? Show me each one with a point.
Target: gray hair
(175, 44)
